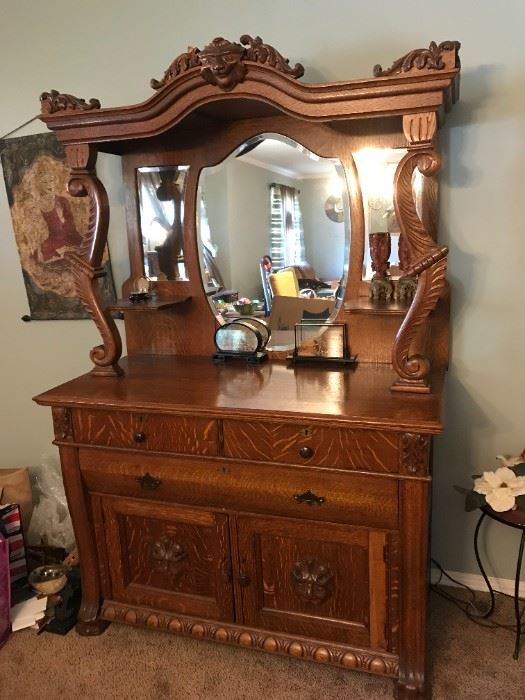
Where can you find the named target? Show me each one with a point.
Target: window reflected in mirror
(161, 199)
(265, 233)
(376, 169)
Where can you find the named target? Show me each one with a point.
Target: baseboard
(477, 582)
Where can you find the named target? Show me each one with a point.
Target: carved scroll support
(86, 265)
(427, 259)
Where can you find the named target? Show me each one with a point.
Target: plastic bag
(51, 522)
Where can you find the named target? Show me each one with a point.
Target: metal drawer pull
(309, 498)
(148, 482)
(306, 452)
(139, 437)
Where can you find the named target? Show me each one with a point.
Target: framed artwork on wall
(47, 223)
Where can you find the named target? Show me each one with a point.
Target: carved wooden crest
(442, 56)
(55, 101)
(223, 62)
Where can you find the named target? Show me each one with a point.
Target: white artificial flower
(500, 488)
(512, 461)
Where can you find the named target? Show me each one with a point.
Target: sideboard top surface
(360, 397)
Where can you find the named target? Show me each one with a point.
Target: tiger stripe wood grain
(146, 431)
(369, 450)
(357, 499)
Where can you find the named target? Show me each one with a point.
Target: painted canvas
(47, 223)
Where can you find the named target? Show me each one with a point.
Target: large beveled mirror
(274, 228)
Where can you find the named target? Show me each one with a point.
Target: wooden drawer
(248, 487)
(367, 450)
(152, 431)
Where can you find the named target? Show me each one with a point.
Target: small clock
(244, 338)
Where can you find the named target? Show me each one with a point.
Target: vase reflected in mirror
(381, 287)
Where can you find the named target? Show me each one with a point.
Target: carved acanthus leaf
(183, 62)
(414, 453)
(436, 57)
(264, 53)
(428, 260)
(55, 101)
(222, 62)
(105, 357)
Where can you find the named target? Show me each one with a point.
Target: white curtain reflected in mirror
(161, 197)
(263, 213)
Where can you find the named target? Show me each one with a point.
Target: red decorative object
(381, 287)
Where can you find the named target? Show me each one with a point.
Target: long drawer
(367, 450)
(148, 431)
(245, 486)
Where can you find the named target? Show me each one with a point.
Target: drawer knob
(244, 580)
(309, 498)
(139, 437)
(306, 452)
(148, 482)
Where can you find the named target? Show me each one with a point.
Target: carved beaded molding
(380, 663)
(222, 62)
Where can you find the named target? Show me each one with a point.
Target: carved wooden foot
(406, 692)
(92, 628)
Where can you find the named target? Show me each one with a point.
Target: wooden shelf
(153, 304)
(364, 305)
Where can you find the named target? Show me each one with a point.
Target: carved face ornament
(222, 63)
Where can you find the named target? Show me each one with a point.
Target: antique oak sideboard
(283, 508)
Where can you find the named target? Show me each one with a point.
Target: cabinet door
(169, 557)
(315, 580)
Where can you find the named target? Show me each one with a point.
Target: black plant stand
(515, 519)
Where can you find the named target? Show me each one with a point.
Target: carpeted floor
(467, 663)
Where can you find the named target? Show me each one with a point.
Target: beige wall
(111, 49)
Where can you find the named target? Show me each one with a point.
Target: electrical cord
(470, 607)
